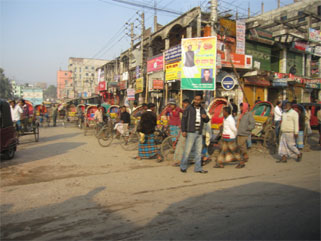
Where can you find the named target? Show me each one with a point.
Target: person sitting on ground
(147, 147)
(245, 125)
(229, 150)
(123, 125)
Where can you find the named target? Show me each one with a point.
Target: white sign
(240, 37)
(125, 76)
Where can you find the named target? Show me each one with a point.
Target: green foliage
(5, 86)
(50, 92)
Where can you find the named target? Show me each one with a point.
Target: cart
(71, 115)
(30, 126)
(89, 121)
(264, 129)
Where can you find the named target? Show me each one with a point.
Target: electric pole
(213, 17)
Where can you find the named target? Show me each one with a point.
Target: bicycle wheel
(168, 148)
(105, 137)
(130, 143)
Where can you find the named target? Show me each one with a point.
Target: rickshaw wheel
(270, 139)
(130, 143)
(9, 154)
(36, 132)
(105, 137)
(168, 148)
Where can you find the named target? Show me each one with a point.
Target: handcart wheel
(168, 148)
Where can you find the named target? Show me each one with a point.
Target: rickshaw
(89, 121)
(30, 126)
(8, 135)
(81, 108)
(61, 113)
(42, 114)
(264, 130)
(113, 112)
(215, 110)
(71, 114)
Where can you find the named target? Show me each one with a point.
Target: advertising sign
(173, 71)
(174, 54)
(240, 61)
(131, 94)
(240, 37)
(227, 27)
(137, 72)
(198, 63)
(283, 82)
(228, 82)
(155, 64)
(158, 84)
(314, 35)
(139, 85)
(102, 86)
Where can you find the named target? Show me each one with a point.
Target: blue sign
(174, 54)
(228, 82)
(280, 82)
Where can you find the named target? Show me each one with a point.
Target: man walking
(277, 118)
(289, 130)
(54, 115)
(193, 120)
(245, 125)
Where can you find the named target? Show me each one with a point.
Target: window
(75, 69)
(300, 13)
(319, 10)
(283, 18)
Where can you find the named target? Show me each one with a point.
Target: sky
(38, 36)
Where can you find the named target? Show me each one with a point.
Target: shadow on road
(59, 137)
(253, 211)
(40, 152)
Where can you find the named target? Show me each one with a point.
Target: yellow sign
(139, 85)
(173, 71)
(198, 63)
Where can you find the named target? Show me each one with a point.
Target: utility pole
(142, 53)
(213, 17)
(155, 16)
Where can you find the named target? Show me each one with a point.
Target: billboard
(139, 85)
(173, 71)
(240, 37)
(198, 63)
(131, 94)
(155, 64)
(173, 54)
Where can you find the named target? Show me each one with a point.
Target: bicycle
(168, 147)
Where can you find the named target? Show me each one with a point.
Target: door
(259, 92)
(248, 91)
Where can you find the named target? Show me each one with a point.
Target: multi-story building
(33, 94)
(84, 75)
(17, 89)
(64, 85)
(42, 85)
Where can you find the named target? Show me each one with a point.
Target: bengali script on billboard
(198, 63)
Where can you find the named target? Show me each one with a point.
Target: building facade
(33, 94)
(17, 89)
(64, 84)
(84, 76)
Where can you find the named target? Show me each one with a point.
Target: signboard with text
(173, 71)
(198, 63)
(174, 54)
(131, 94)
(240, 37)
(158, 84)
(155, 64)
(139, 85)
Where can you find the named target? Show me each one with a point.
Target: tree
(50, 92)
(6, 88)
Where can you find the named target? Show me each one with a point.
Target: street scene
(160, 120)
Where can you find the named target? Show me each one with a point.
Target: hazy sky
(38, 36)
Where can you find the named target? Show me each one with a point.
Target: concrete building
(17, 89)
(41, 85)
(64, 84)
(84, 75)
(33, 94)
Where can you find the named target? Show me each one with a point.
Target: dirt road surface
(67, 187)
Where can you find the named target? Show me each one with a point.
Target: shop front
(256, 88)
(277, 91)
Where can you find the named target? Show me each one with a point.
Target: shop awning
(257, 81)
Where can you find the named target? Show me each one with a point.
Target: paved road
(66, 187)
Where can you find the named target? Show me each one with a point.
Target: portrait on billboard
(207, 76)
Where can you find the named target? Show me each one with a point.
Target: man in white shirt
(12, 105)
(290, 131)
(17, 114)
(277, 118)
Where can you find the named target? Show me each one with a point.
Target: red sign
(239, 60)
(123, 85)
(155, 64)
(102, 85)
(158, 84)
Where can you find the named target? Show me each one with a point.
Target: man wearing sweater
(290, 130)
